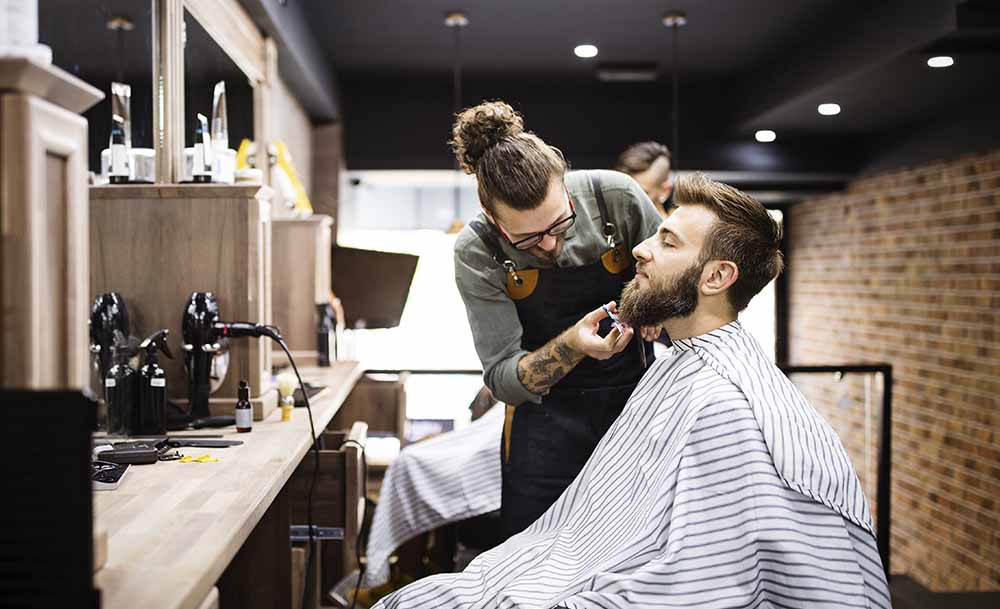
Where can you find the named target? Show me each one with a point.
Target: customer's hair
(639, 157)
(512, 166)
(744, 233)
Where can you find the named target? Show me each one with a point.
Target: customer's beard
(655, 304)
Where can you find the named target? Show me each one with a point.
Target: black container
(121, 388)
(324, 329)
(152, 397)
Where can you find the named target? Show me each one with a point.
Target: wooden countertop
(174, 527)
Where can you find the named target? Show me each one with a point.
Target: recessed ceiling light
(941, 61)
(828, 109)
(585, 51)
(765, 135)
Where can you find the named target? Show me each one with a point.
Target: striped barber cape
(445, 479)
(718, 486)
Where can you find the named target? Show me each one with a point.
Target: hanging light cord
(675, 20)
(457, 26)
(674, 110)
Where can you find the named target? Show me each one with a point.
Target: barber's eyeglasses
(558, 228)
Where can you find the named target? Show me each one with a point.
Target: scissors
(638, 337)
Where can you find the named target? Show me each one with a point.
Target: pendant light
(675, 20)
(120, 24)
(456, 21)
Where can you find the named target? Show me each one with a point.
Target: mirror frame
(233, 30)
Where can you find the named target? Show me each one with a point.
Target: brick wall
(904, 268)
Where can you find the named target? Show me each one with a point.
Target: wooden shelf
(180, 191)
(48, 82)
(156, 244)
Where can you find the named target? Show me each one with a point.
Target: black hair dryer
(108, 315)
(206, 350)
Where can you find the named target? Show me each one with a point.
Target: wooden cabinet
(339, 500)
(155, 245)
(43, 220)
(300, 280)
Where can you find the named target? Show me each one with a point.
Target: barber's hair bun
(479, 128)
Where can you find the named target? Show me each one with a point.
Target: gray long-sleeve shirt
(496, 328)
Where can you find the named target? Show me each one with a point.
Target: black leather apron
(546, 445)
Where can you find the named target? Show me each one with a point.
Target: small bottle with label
(201, 170)
(120, 167)
(244, 412)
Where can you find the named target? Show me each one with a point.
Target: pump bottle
(121, 388)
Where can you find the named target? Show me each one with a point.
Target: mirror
(205, 65)
(100, 42)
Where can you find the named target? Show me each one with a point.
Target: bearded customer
(719, 485)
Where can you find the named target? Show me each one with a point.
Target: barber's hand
(583, 336)
(650, 333)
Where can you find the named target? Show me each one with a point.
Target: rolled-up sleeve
(496, 328)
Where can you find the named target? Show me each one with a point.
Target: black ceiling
(538, 36)
(745, 65)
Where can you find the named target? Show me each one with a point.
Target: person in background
(648, 163)
(539, 270)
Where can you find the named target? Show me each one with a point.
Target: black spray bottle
(152, 402)
(121, 387)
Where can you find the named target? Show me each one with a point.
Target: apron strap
(489, 238)
(608, 229)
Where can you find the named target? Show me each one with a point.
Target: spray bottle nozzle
(157, 341)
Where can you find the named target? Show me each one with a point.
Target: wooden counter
(174, 527)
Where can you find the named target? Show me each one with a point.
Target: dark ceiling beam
(973, 15)
(878, 32)
(978, 30)
(303, 66)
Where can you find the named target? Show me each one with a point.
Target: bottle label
(109, 382)
(119, 160)
(158, 382)
(244, 418)
(198, 168)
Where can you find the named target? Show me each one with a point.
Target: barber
(535, 269)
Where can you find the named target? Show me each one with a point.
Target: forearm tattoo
(540, 370)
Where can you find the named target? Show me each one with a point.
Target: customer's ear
(718, 276)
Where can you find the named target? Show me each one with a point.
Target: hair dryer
(107, 315)
(206, 352)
